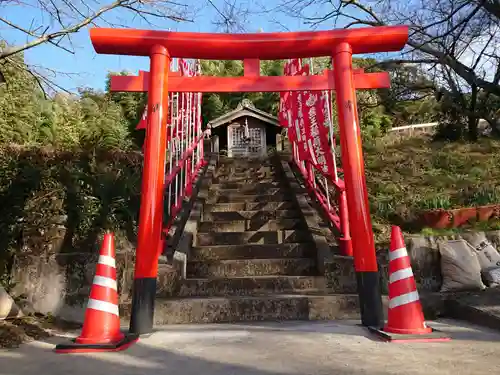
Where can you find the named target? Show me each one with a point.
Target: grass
(411, 175)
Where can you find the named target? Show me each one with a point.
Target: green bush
(68, 169)
(63, 121)
(61, 201)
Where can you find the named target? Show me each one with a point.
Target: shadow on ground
(141, 359)
(267, 349)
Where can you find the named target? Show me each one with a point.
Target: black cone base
(435, 335)
(73, 347)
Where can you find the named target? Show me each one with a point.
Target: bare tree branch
(50, 37)
(72, 19)
(491, 6)
(232, 17)
(424, 45)
(54, 23)
(455, 42)
(30, 33)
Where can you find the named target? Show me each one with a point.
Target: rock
(486, 251)
(8, 308)
(59, 284)
(425, 259)
(26, 307)
(494, 237)
(40, 280)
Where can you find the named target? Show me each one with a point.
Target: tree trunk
(473, 128)
(473, 119)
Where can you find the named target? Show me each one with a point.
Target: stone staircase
(254, 247)
(253, 255)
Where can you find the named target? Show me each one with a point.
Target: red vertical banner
(287, 98)
(297, 125)
(294, 67)
(317, 126)
(282, 117)
(328, 113)
(284, 104)
(144, 119)
(185, 68)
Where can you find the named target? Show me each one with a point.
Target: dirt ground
(305, 348)
(14, 332)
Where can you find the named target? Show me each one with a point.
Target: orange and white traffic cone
(405, 316)
(101, 326)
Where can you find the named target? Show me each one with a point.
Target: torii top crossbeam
(263, 46)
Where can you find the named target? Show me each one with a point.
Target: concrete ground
(302, 348)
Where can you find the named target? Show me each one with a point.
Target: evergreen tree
(89, 120)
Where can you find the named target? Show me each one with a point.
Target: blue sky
(86, 68)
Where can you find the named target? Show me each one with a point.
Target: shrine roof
(245, 108)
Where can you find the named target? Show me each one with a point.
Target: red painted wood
(360, 223)
(251, 67)
(153, 178)
(264, 46)
(250, 84)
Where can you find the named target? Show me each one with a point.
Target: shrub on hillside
(89, 120)
(416, 174)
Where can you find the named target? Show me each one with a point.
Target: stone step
(239, 238)
(253, 251)
(217, 189)
(244, 286)
(246, 168)
(275, 307)
(268, 171)
(252, 267)
(216, 197)
(252, 172)
(254, 179)
(242, 159)
(255, 176)
(232, 169)
(249, 215)
(241, 186)
(251, 225)
(249, 206)
(330, 237)
(256, 191)
(242, 162)
(340, 274)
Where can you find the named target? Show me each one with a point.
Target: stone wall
(425, 258)
(54, 207)
(49, 278)
(426, 264)
(59, 283)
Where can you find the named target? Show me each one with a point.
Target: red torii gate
(161, 46)
(140, 83)
(249, 83)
